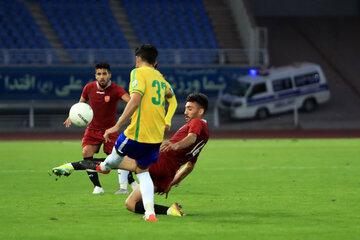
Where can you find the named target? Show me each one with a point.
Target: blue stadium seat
(19, 31)
(90, 24)
(95, 27)
(175, 24)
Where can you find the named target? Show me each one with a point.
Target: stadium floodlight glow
(253, 72)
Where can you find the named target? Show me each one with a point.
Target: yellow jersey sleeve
(171, 109)
(137, 83)
(169, 89)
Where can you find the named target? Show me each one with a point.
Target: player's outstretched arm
(180, 175)
(67, 122)
(184, 143)
(171, 111)
(129, 110)
(126, 97)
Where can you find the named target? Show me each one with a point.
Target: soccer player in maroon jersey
(183, 148)
(103, 96)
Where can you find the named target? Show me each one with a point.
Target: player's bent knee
(141, 169)
(86, 153)
(112, 161)
(90, 150)
(130, 205)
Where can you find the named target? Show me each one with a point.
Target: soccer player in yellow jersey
(142, 138)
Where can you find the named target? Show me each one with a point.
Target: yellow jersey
(148, 121)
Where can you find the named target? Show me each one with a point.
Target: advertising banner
(67, 83)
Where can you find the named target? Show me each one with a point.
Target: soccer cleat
(175, 210)
(98, 169)
(98, 190)
(150, 218)
(122, 191)
(63, 170)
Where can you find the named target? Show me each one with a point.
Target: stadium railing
(126, 56)
(27, 56)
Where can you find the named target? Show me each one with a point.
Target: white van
(276, 90)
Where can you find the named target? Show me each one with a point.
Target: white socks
(147, 192)
(168, 212)
(111, 161)
(123, 178)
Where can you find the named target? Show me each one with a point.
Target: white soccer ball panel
(81, 114)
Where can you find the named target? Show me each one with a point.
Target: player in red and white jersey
(103, 96)
(103, 99)
(183, 148)
(172, 157)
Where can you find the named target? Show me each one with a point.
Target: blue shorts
(143, 153)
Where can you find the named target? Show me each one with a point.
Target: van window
(238, 88)
(307, 79)
(258, 88)
(282, 84)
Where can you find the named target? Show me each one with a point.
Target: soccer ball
(81, 114)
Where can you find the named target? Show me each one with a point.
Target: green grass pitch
(240, 189)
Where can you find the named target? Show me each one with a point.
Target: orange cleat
(151, 218)
(98, 169)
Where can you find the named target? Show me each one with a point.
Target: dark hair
(200, 99)
(103, 65)
(147, 52)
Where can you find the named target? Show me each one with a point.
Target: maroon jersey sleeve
(85, 92)
(197, 126)
(120, 92)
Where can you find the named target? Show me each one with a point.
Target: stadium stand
(160, 22)
(95, 28)
(87, 31)
(19, 31)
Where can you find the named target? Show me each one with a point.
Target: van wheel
(309, 105)
(262, 113)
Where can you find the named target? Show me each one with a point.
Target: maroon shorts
(95, 137)
(160, 174)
